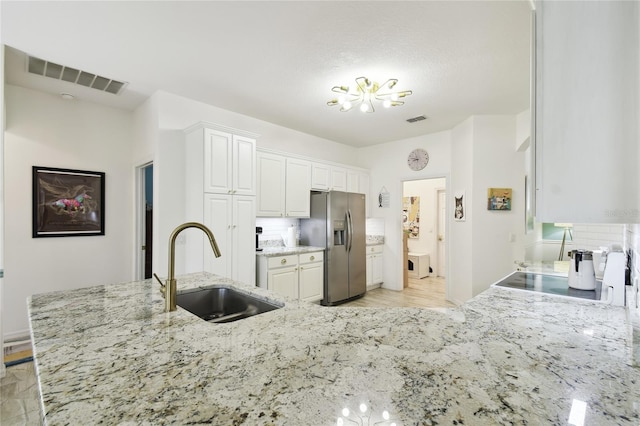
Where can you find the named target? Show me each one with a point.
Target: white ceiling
(277, 61)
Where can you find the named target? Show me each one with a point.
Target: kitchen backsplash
(273, 229)
(594, 236)
(375, 226)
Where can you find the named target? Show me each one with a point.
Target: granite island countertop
(109, 354)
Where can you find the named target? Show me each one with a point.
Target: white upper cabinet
(338, 179)
(326, 177)
(587, 98)
(230, 163)
(271, 185)
(320, 177)
(284, 186)
(298, 188)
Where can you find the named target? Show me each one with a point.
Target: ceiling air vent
(60, 72)
(418, 118)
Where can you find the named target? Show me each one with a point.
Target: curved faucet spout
(170, 287)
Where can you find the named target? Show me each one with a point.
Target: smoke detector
(60, 72)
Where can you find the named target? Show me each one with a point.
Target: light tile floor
(19, 396)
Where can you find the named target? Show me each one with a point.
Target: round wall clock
(418, 159)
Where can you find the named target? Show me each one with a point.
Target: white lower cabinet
(298, 276)
(374, 264)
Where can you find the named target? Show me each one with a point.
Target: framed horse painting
(67, 202)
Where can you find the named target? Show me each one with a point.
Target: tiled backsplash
(375, 226)
(594, 236)
(273, 229)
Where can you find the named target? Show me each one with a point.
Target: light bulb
(346, 105)
(363, 408)
(386, 103)
(394, 96)
(364, 107)
(340, 422)
(341, 100)
(385, 415)
(345, 412)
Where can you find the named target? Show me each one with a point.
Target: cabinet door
(369, 267)
(320, 177)
(298, 188)
(284, 281)
(353, 181)
(376, 269)
(243, 239)
(218, 217)
(271, 185)
(244, 166)
(311, 284)
(218, 162)
(587, 108)
(338, 179)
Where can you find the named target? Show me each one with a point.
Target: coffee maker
(258, 232)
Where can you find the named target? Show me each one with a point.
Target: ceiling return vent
(60, 72)
(418, 118)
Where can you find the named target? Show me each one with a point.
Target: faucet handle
(162, 286)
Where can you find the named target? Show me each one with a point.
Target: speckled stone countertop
(373, 240)
(110, 355)
(281, 251)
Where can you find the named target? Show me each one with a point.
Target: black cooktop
(550, 284)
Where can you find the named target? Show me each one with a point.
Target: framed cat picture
(459, 211)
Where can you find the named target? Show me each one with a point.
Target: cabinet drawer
(317, 256)
(377, 249)
(280, 261)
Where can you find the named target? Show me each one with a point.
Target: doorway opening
(144, 176)
(424, 215)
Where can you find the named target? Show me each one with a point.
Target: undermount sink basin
(222, 304)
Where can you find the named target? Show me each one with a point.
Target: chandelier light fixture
(365, 93)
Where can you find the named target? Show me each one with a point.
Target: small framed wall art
(67, 202)
(458, 208)
(499, 199)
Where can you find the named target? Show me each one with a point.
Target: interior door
(442, 220)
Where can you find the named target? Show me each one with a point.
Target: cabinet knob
(283, 261)
(312, 258)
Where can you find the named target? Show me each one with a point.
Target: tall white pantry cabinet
(221, 193)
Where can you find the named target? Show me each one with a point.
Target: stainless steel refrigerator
(337, 223)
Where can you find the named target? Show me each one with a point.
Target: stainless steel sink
(220, 304)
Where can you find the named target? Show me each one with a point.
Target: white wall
(497, 235)
(427, 241)
(483, 248)
(43, 130)
(459, 238)
(178, 113)
(388, 167)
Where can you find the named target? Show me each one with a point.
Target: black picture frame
(67, 202)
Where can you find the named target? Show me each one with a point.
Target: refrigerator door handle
(349, 231)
